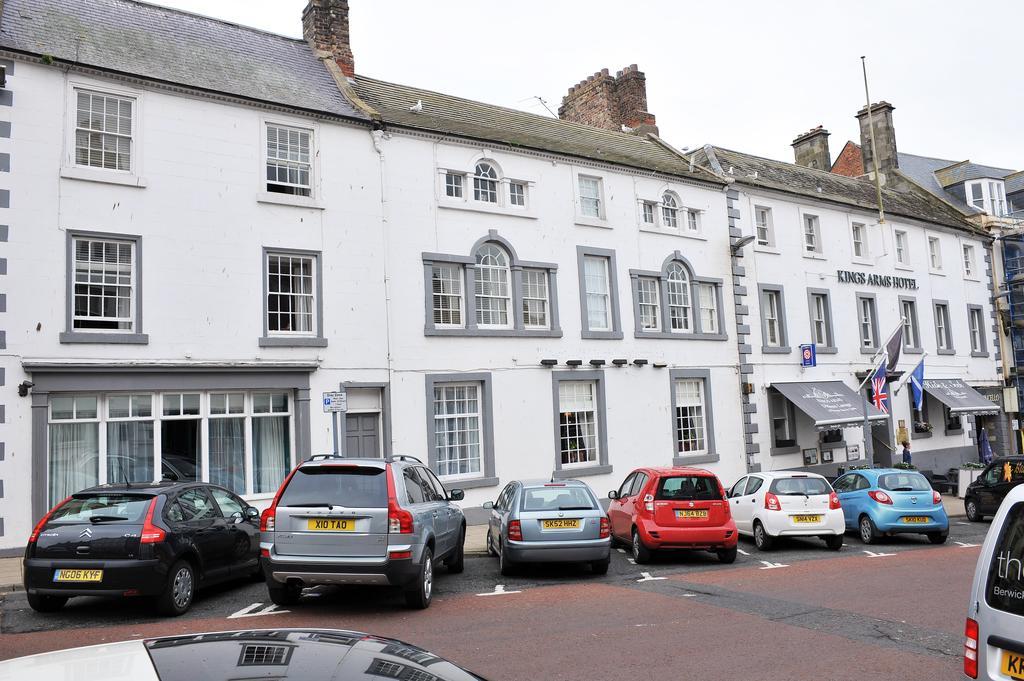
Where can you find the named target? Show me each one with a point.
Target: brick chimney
(811, 149)
(325, 28)
(885, 139)
(610, 102)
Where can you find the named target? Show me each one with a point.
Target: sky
(748, 75)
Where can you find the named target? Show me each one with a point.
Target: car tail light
(515, 530)
(42, 523)
(771, 502)
(833, 502)
(936, 497)
(264, 553)
(399, 519)
(649, 503)
(399, 555)
(269, 517)
(606, 528)
(151, 534)
(880, 496)
(971, 648)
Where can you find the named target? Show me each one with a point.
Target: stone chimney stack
(610, 102)
(885, 139)
(325, 28)
(811, 149)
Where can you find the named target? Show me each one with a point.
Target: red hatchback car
(673, 508)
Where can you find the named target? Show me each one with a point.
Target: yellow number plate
(916, 519)
(78, 576)
(1013, 665)
(570, 524)
(688, 513)
(807, 519)
(331, 525)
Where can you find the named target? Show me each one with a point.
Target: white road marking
(499, 590)
(646, 577)
(966, 546)
(959, 522)
(621, 550)
(631, 561)
(872, 554)
(743, 552)
(768, 565)
(251, 611)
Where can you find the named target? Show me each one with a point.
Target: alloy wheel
(636, 546)
(428, 578)
(182, 588)
(759, 535)
(866, 534)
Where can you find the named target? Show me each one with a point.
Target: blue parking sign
(808, 355)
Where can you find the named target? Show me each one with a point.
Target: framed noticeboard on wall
(810, 456)
(853, 453)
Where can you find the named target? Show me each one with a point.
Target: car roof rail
(321, 457)
(403, 457)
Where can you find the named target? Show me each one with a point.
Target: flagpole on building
(903, 383)
(869, 446)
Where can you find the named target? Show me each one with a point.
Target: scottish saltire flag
(917, 385)
(879, 389)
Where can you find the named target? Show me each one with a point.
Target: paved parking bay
(897, 605)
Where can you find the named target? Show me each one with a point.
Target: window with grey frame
(292, 299)
(867, 322)
(674, 303)
(976, 328)
(911, 330)
(774, 335)
(599, 296)
(489, 293)
(943, 330)
(104, 284)
(460, 428)
(819, 305)
(783, 419)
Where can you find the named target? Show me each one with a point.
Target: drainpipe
(378, 136)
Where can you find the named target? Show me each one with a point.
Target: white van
(994, 645)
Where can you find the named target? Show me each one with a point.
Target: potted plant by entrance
(969, 472)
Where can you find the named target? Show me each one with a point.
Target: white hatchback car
(994, 635)
(787, 503)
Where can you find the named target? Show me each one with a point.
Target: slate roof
(823, 185)
(174, 46)
(962, 171)
(470, 119)
(921, 169)
(1014, 182)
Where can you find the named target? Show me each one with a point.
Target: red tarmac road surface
(603, 631)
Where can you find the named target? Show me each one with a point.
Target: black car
(984, 495)
(162, 540)
(295, 654)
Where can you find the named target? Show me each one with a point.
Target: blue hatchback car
(886, 501)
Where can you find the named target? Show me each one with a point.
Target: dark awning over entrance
(830, 404)
(958, 396)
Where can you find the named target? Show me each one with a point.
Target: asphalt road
(892, 610)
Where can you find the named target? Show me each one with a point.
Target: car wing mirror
(237, 516)
(252, 513)
(613, 494)
(456, 495)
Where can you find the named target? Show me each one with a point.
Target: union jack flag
(879, 392)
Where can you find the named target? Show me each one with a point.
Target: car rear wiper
(902, 489)
(106, 518)
(575, 508)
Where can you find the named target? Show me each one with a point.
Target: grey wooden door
(362, 435)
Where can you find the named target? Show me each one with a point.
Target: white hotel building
(207, 226)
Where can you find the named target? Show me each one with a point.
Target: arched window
(485, 183)
(678, 292)
(493, 298)
(669, 210)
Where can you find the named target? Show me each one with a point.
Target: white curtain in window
(271, 452)
(74, 458)
(130, 451)
(227, 453)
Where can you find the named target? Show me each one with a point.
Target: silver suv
(361, 521)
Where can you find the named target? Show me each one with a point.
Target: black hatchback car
(985, 494)
(161, 540)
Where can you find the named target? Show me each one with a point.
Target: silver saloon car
(548, 522)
